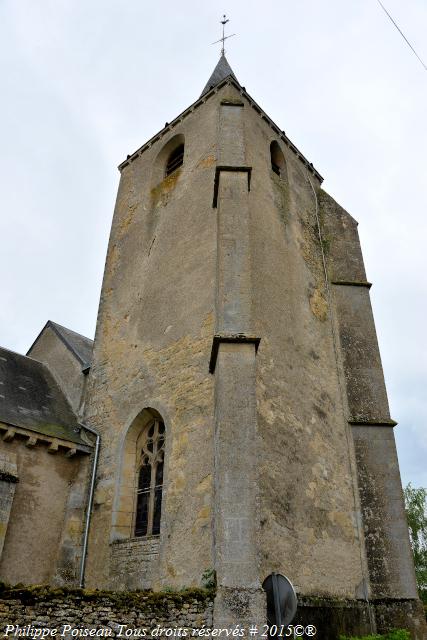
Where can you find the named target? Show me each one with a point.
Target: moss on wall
(32, 594)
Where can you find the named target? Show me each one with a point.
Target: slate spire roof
(221, 71)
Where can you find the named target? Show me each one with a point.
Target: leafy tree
(416, 513)
(397, 634)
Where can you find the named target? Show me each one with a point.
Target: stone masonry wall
(8, 479)
(134, 562)
(44, 527)
(73, 611)
(106, 611)
(152, 350)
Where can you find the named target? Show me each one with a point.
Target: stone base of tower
(401, 614)
(194, 609)
(330, 617)
(239, 606)
(333, 617)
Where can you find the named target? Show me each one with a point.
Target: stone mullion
(153, 465)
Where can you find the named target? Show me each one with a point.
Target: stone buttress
(233, 363)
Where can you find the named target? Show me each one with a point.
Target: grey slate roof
(79, 345)
(221, 71)
(30, 398)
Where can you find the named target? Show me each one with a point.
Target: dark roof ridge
(56, 327)
(22, 355)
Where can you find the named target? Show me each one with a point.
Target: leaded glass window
(150, 480)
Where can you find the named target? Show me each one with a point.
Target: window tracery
(150, 480)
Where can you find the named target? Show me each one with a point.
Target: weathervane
(224, 37)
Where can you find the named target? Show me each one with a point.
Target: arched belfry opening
(169, 159)
(175, 160)
(138, 503)
(278, 164)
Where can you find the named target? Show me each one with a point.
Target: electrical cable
(402, 34)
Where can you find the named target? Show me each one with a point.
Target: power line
(402, 34)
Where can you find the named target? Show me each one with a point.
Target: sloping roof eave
(232, 81)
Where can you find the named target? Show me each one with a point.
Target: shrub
(397, 634)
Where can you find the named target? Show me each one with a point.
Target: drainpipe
(89, 505)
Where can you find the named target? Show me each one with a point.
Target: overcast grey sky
(85, 82)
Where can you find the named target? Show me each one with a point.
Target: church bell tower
(237, 384)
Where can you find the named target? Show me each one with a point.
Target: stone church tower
(236, 381)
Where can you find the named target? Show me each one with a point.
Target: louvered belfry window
(150, 481)
(175, 160)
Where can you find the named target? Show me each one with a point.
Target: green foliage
(397, 634)
(209, 579)
(416, 513)
(326, 244)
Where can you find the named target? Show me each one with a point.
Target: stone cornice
(356, 422)
(230, 337)
(231, 82)
(9, 432)
(353, 283)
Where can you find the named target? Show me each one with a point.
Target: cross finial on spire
(224, 37)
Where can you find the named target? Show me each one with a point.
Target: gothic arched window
(175, 159)
(150, 480)
(277, 159)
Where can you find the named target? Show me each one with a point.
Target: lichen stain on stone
(180, 443)
(170, 569)
(311, 489)
(113, 259)
(207, 162)
(318, 305)
(271, 411)
(160, 193)
(177, 485)
(203, 518)
(205, 484)
(310, 247)
(127, 219)
(74, 527)
(342, 521)
(308, 535)
(103, 493)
